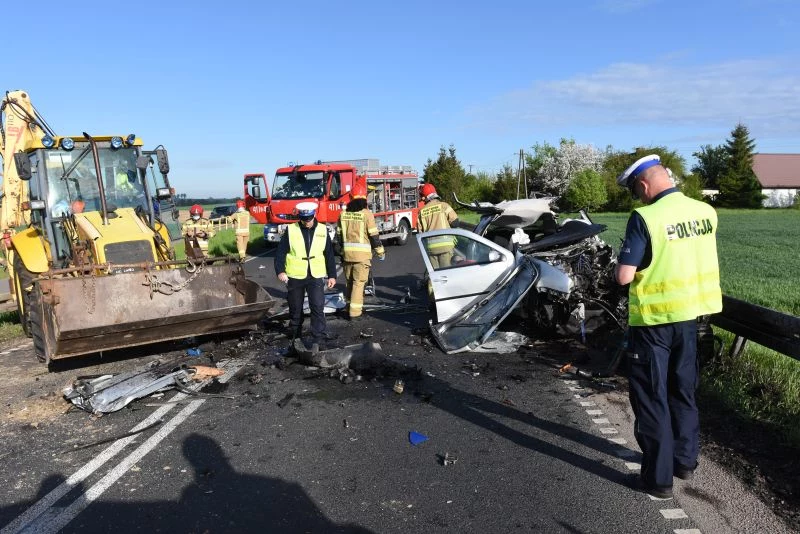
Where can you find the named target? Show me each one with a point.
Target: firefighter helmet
(359, 190)
(197, 209)
(427, 190)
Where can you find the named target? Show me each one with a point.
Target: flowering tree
(559, 168)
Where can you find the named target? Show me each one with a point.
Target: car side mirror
(256, 192)
(23, 164)
(494, 256)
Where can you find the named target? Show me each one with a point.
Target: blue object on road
(193, 352)
(415, 438)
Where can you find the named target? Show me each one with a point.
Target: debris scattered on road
(447, 459)
(115, 438)
(194, 352)
(504, 343)
(334, 302)
(398, 386)
(415, 438)
(361, 356)
(286, 400)
(109, 393)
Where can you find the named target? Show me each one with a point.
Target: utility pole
(520, 173)
(470, 168)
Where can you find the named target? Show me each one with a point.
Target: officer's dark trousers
(663, 376)
(297, 289)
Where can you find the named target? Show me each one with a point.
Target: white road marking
(687, 531)
(570, 382)
(576, 388)
(594, 412)
(41, 510)
(588, 403)
(608, 430)
(674, 513)
(618, 441)
(601, 421)
(633, 466)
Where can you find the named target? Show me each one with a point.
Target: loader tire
(35, 316)
(23, 279)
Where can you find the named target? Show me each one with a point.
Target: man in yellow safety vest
(436, 215)
(357, 236)
(304, 262)
(242, 223)
(669, 258)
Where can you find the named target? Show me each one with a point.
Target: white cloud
(760, 93)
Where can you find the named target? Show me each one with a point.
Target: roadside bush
(587, 190)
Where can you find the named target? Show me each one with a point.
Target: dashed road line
(633, 466)
(673, 513)
(687, 531)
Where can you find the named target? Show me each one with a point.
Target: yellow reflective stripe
(360, 246)
(669, 286)
(372, 231)
(438, 245)
(357, 305)
(707, 302)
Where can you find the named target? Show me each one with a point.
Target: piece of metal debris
(447, 459)
(398, 386)
(362, 356)
(286, 400)
(109, 393)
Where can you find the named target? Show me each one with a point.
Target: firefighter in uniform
(669, 257)
(304, 261)
(242, 223)
(198, 227)
(436, 215)
(357, 236)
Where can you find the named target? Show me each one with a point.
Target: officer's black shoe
(683, 473)
(657, 492)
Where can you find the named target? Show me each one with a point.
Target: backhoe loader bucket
(86, 314)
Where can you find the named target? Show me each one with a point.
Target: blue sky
(238, 86)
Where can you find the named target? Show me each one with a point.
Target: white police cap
(306, 209)
(629, 175)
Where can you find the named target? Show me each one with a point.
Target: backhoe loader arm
(20, 128)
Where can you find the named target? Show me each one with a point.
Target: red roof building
(779, 176)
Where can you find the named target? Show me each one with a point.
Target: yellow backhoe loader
(90, 260)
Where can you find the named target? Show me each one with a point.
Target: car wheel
(404, 229)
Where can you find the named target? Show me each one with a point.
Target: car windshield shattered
(559, 275)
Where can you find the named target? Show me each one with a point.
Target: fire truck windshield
(298, 185)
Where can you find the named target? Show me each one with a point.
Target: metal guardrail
(772, 329)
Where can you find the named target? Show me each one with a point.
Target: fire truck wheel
(404, 229)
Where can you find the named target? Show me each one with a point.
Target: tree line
(582, 176)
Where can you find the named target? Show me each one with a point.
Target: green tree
(712, 163)
(447, 174)
(533, 164)
(619, 198)
(738, 186)
(505, 185)
(692, 186)
(587, 190)
(479, 187)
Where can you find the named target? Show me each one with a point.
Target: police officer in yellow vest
(669, 258)
(241, 221)
(436, 215)
(304, 261)
(357, 236)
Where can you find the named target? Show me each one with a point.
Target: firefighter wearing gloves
(436, 215)
(198, 227)
(357, 236)
(304, 262)
(241, 221)
(669, 258)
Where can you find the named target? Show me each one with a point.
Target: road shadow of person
(14, 516)
(218, 499)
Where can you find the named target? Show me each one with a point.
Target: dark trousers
(663, 377)
(296, 292)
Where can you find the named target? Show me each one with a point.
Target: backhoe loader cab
(89, 254)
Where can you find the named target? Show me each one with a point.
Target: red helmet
(426, 190)
(197, 209)
(239, 204)
(359, 190)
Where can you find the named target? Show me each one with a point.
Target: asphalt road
(272, 447)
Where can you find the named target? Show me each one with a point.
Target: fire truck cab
(393, 196)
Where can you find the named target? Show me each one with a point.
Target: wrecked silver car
(560, 276)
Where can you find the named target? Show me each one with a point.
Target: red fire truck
(393, 195)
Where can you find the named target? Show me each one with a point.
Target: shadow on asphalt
(218, 500)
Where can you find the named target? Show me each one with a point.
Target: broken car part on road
(109, 393)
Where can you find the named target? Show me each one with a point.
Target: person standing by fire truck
(357, 236)
(436, 215)
(242, 223)
(304, 262)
